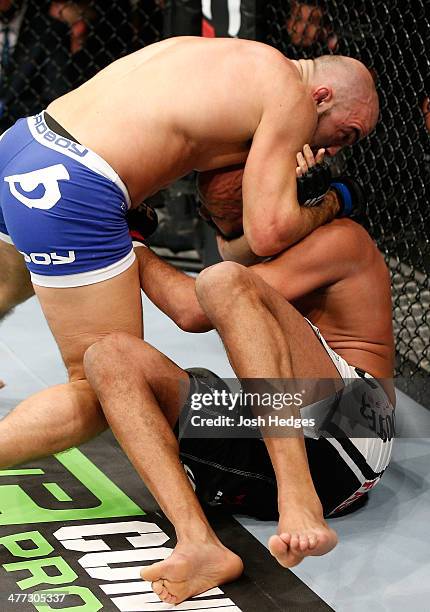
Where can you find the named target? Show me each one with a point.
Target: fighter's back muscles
(338, 278)
(197, 104)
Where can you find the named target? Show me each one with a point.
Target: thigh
(234, 473)
(330, 468)
(15, 283)
(79, 316)
(308, 355)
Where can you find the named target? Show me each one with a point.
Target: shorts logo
(46, 259)
(46, 179)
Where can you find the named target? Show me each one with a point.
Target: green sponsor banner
(18, 508)
(90, 601)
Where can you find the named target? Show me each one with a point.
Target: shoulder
(281, 87)
(346, 238)
(267, 60)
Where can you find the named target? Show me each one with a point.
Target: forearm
(304, 221)
(172, 291)
(318, 215)
(237, 250)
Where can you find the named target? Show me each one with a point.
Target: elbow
(265, 242)
(274, 236)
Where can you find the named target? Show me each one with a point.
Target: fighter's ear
(323, 96)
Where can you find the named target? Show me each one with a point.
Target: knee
(115, 356)
(220, 284)
(108, 355)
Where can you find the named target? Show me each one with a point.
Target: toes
(313, 540)
(162, 591)
(277, 546)
(164, 595)
(181, 592)
(303, 542)
(294, 542)
(286, 538)
(157, 587)
(171, 599)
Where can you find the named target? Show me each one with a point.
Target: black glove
(313, 185)
(351, 196)
(142, 222)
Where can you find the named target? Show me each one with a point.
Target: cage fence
(50, 47)
(393, 40)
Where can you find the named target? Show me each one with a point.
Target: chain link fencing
(50, 47)
(393, 40)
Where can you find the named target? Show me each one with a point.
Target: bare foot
(192, 568)
(301, 534)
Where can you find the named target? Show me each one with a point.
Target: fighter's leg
(265, 337)
(141, 392)
(67, 415)
(15, 283)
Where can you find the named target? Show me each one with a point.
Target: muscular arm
(272, 217)
(172, 291)
(239, 250)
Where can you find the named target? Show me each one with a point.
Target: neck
(306, 69)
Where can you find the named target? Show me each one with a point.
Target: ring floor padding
(60, 514)
(381, 564)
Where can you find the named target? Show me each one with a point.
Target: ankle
(304, 503)
(196, 533)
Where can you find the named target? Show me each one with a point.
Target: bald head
(346, 100)
(352, 84)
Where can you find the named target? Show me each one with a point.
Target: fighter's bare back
(180, 105)
(337, 278)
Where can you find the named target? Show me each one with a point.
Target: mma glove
(313, 185)
(350, 196)
(142, 222)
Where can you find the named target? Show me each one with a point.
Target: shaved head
(345, 99)
(352, 84)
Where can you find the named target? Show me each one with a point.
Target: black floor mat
(48, 514)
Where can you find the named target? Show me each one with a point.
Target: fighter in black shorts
(265, 315)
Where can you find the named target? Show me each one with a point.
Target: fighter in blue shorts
(67, 212)
(68, 178)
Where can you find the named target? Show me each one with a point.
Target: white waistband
(5, 238)
(85, 278)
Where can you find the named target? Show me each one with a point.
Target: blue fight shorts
(62, 206)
